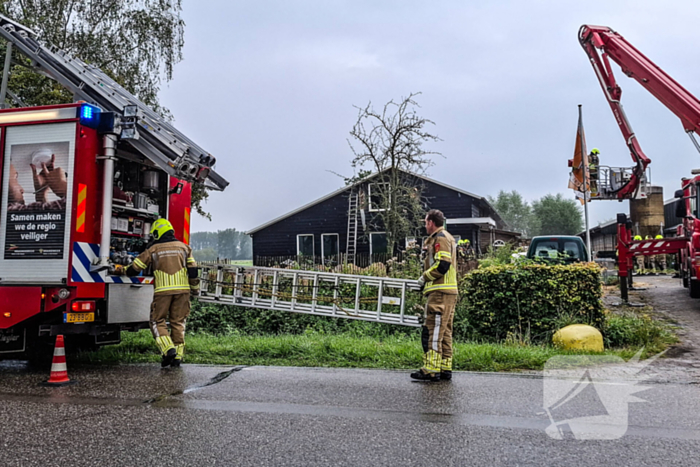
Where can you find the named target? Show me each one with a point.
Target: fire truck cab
(80, 186)
(52, 215)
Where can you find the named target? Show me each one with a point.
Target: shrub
(631, 330)
(531, 300)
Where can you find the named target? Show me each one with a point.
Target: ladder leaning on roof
(368, 298)
(155, 138)
(351, 248)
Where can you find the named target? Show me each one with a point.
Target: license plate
(78, 317)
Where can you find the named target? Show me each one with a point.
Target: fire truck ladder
(352, 228)
(367, 298)
(156, 139)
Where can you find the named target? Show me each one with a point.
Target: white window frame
(323, 252)
(369, 198)
(409, 239)
(370, 241)
(313, 246)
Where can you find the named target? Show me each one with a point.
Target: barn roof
(364, 180)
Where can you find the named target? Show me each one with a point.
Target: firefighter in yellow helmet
(176, 276)
(593, 164)
(439, 284)
(639, 259)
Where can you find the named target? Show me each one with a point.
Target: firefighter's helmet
(659, 236)
(595, 151)
(637, 237)
(160, 227)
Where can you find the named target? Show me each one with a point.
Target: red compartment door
(18, 304)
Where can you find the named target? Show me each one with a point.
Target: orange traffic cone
(59, 370)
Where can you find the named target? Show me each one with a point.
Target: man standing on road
(175, 272)
(439, 284)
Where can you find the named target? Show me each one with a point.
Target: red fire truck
(80, 185)
(686, 107)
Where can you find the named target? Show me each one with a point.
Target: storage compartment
(129, 303)
(139, 198)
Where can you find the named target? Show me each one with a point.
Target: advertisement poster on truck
(35, 226)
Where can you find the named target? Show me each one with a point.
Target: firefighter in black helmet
(176, 276)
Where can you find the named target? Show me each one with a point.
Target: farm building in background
(319, 230)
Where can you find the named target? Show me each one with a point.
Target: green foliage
(498, 256)
(557, 216)
(204, 255)
(527, 300)
(515, 211)
(223, 320)
(229, 244)
(630, 329)
(329, 350)
(136, 42)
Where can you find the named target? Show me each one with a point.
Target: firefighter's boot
(427, 377)
(167, 348)
(431, 367)
(446, 369)
(180, 349)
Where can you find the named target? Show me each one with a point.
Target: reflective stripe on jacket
(440, 246)
(170, 261)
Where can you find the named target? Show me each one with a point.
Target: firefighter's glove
(116, 270)
(421, 283)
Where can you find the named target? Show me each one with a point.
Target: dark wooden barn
(323, 229)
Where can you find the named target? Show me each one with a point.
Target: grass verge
(314, 349)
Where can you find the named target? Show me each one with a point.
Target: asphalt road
(212, 415)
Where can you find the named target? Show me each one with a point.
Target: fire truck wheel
(684, 276)
(694, 288)
(39, 353)
(80, 343)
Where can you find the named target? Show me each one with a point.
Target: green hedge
(528, 302)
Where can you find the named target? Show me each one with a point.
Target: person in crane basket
(175, 272)
(439, 285)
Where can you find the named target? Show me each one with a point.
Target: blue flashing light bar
(89, 115)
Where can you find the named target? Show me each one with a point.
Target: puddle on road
(216, 379)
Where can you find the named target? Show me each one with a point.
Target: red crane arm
(635, 65)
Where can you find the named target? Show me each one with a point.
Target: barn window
(377, 243)
(305, 245)
(377, 193)
(412, 242)
(329, 245)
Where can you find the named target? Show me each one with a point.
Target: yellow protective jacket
(440, 246)
(170, 261)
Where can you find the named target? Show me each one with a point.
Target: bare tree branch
(391, 143)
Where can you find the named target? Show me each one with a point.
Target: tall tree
(515, 211)
(136, 42)
(557, 215)
(388, 142)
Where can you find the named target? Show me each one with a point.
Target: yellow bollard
(579, 337)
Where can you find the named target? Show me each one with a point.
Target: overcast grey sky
(268, 87)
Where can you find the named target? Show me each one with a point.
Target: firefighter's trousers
(436, 335)
(173, 308)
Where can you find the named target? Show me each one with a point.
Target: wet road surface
(213, 415)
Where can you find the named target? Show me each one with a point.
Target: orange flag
(579, 163)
